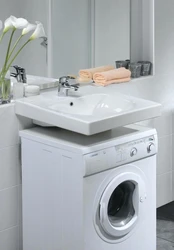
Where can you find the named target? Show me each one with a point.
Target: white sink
(94, 104)
(88, 112)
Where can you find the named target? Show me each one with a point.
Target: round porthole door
(119, 208)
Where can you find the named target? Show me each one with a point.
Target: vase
(5, 90)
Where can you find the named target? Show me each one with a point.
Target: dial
(133, 152)
(150, 147)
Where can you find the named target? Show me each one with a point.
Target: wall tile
(9, 239)
(9, 208)
(164, 156)
(10, 169)
(8, 126)
(164, 189)
(20, 203)
(163, 124)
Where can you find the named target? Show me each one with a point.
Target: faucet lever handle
(63, 79)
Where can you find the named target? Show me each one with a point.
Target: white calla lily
(20, 23)
(8, 24)
(39, 32)
(16, 23)
(29, 28)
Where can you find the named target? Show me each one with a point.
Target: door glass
(120, 206)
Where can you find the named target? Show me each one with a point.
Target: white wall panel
(112, 31)
(70, 36)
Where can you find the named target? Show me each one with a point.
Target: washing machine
(89, 193)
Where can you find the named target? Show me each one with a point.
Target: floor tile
(165, 230)
(164, 245)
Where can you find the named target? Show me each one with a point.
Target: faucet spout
(65, 85)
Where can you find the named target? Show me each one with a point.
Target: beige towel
(112, 76)
(88, 73)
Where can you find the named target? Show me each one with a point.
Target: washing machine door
(120, 204)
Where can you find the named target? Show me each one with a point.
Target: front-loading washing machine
(89, 193)
(120, 200)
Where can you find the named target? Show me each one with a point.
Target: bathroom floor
(165, 227)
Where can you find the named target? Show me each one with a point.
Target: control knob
(150, 147)
(133, 152)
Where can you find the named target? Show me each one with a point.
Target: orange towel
(88, 73)
(112, 76)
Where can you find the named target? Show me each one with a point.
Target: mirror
(87, 33)
(90, 33)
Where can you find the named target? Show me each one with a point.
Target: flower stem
(10, 63)
(14, 47)
(1, 37)
(8, 50)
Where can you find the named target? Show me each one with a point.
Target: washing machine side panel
(52, 198)
(148, 166)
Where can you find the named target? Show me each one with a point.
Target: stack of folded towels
(106, 75)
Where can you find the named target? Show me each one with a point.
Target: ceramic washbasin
(92, 110)
(95, 104)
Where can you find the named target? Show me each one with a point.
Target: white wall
(70, 36)
(142, 31)
(136, 30)
(34, 57)
(112, 31)
(71, 44)
(7, 8)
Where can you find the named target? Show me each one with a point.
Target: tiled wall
(10, 182)
(10, 179)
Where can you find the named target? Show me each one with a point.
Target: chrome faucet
(20, 74)
(65, 85)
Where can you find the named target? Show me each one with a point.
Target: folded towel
(88, 73)
(112, 76)
(114, 81)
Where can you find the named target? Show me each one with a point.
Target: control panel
(120, 154)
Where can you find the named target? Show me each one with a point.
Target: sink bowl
(95, 104)
(92, 110)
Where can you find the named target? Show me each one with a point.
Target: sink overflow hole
(71, 103)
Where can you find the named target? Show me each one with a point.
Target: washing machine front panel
(121, 204)
(118, 155)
